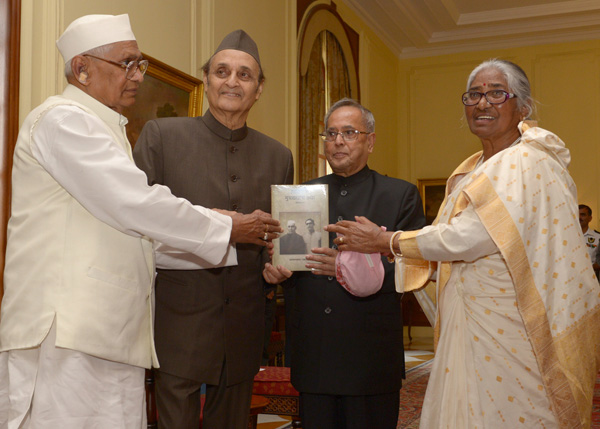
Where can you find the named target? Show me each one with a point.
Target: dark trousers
(349, 412)
(178, 403)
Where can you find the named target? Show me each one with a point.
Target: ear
(82, 78)
(79, 68)
(205, 81)
(370, 142)
(259, 90)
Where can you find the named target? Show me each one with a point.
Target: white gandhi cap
(91, 31)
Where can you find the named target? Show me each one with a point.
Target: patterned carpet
(411, 395)
(413, 391)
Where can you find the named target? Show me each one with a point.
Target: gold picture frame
(165, 92)
(432, 194)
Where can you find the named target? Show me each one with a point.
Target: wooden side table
(273, 382)
(257, 406)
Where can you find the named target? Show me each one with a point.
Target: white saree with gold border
(518, 325)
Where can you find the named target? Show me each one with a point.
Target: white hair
(100, 51)
(517, 81)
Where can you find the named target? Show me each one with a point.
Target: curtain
(325, 82)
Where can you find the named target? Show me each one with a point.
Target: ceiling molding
(560, 9)
(419, 28)
(499, 44)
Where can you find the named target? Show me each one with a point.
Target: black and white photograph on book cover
(302, 210)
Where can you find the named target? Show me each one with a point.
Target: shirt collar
(356, 178)
(222, 131)
(105, 113)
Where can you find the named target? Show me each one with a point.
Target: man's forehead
(234, 58)
(345, 117)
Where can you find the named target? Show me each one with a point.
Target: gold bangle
(397, 255)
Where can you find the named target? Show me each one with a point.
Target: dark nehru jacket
(204, 317)
(292, 244)
(341, 344)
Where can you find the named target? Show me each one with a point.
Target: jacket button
(329, 278)
(233, 149)
(344, 193)
(234, 207)
(328, 310)
(340, 218)
(234, 178)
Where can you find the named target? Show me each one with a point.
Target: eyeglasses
(495, 96)
(130, 67)
(347, 135)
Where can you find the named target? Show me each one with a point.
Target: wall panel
(568, 87)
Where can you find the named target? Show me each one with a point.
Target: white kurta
(75, 149)
(80, 266)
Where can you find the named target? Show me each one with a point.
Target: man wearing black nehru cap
(210, 322)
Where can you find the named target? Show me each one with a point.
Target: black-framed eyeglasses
(494, 96)
(347, 135)
(130, 67)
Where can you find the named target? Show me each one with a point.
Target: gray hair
(517, 80)
(99, 51)
(367, 115)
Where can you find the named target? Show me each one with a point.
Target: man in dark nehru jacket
(292, 243)
(347, 358)
(210, 321)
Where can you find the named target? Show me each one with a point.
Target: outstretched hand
(361, 236)
(257, 227)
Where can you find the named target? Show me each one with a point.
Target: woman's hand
(361, 236)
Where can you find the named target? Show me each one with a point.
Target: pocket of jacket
(112, 278)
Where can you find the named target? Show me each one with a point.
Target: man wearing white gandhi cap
(76, 320)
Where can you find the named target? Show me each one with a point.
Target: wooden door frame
(10, 37)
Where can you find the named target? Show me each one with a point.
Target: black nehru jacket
(342, 344)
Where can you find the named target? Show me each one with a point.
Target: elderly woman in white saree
(518, 316)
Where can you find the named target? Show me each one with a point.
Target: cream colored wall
(272, 24)
(565, 80)
(419, 126)
(181, 33)
(158, 30)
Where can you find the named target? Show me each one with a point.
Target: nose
(137, 76)
(339, 139)
(232, 80)
(485, 102)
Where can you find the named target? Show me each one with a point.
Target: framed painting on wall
(432, 193)
(165, 92)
